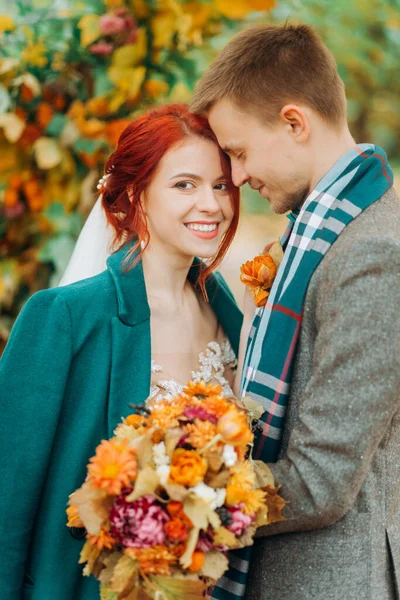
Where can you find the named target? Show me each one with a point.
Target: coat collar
(133, 307)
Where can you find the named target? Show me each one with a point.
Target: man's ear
(296, 121)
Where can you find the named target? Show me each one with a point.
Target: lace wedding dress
(217, 360)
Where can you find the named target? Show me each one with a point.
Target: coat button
(78, 533)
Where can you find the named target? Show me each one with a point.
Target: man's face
(267, 157)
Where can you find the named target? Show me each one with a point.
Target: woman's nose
(208, 201)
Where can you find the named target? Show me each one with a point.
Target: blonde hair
(263, 68)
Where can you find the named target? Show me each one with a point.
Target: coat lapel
(131, 341)
(131, 335)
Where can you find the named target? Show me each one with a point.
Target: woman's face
(187, 204)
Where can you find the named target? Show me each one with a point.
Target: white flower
(213, 497)
(229, 455)
(160, 456)
(163, 473)
(220, 498)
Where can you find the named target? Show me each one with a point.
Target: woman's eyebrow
(191, 175)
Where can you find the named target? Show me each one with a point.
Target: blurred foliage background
(73, 73)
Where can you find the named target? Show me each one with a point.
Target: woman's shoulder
(95, 295)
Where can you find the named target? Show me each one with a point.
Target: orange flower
(234, 429)
(259, 274)
(251, 500)
(113, 468)
(187, 467)
(155, 88)
(217, 405)
(74, 519)
(202, 390)
(103, 540)
(243, 475)
(135, 420)
(153, 561)
(164, 414)
(176, 530)
(174, 507)
(201, 433)
(44, 114)
(197, 561)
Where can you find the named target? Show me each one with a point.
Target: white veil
(92, 249)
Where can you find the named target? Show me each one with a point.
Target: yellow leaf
(276, 253)
(126, 573)
(224, 537)
(215, 565)
(253, 408)
(90, 29)
(263, 473)
(89, 555)
(241, 8)
(180, 93)
(130, 55)
(107, 573)
(174, 588)
(47, 153)
(146, 482)
(12, 126)
(275, 504)
(140, 8)
(93, 506)
(144, 449)
(200, 513)
(186, 558)
(163, 28)
(6, 23)
(30, 81)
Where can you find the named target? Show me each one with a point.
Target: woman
(79, 356)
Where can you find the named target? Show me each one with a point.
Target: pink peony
(111, 24)
(198, 412)
(240, 522)
(101, 48)
(138, 524)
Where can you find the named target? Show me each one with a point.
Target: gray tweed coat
(340, 457)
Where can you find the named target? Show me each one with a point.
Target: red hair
(131, 167)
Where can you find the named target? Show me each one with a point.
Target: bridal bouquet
(170, 494)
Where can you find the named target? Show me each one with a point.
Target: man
(323, 355)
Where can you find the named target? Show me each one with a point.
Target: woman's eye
(221, 186)
(184, 185)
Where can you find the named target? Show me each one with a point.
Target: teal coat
(78, 356)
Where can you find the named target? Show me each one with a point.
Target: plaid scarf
(358, 179)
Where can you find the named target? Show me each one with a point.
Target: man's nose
(239, 175)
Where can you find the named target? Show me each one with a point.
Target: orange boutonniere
(259, 274)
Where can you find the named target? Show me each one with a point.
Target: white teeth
(202, 227)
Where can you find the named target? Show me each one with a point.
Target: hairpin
(103, 180)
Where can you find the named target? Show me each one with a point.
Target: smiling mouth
(206, 231)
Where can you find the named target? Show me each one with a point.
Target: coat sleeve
(33, 375)
(349, 402)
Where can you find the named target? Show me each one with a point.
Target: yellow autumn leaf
(180, 93)
(199, 12)
(146, 482)
(263, 474)
(176, 588)
(163, 27)
(215, 564)
(47, 152)
(90, 29)
(130, 55)
(241, 8)
(140, 8)
(6, 23)
(224, 537)
(12, 126)
(126, 573)
(93, 506)
(30, 81)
